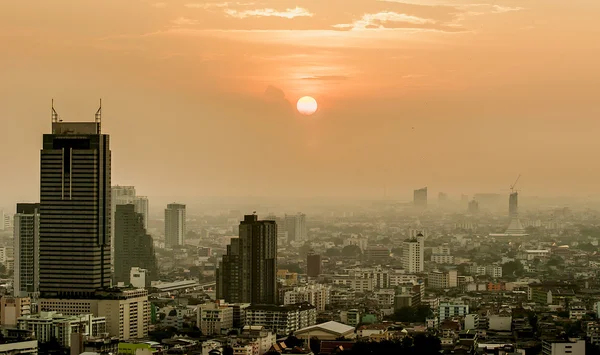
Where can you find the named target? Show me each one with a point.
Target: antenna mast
(54, 114)
(98, 117)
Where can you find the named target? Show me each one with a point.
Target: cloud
(326, 77)
(289, 13)
(159, 5)
(378, 20)
(497, 9)
(206, 5)
(184, 21)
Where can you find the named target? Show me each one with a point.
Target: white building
(214, 318)
(575, 347)
(138, 277)
(413, 254)
(400, 279)
(49, 325)
(472, 321)
(282, 320)
(317, 295)
(494, 271)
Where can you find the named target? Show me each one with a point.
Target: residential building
(450, 310)
(494, 271)
(442, 259)
(442, 279)
(75, 193)
(175, 225)
(562, 347)
(413, 254)
(282, 320)
(11, 308)
(248, 271)
(26, 240)
(295, 226)
(472, 321)
(215, 318)
(19, 347)
(317, 295)
(134, 247)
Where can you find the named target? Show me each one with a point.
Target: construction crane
(512, 187)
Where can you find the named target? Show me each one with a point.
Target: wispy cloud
(159, 5)
(289, 13)
(497, 9)
(326, 77)
(378, 20)
(184, 21)
(206, 5)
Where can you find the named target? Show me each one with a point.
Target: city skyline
(463, 95)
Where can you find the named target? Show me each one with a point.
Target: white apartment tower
(413, 254)
(26, 234)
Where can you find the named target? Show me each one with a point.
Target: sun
(307, 105)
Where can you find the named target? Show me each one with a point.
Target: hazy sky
(199, 96)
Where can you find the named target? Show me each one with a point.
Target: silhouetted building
(295, 226)
(420, 198)
(513, 205)
(248, 271)
(175, 227)
(313, 264)
(26, 234)
(473, 207)
(133, 245)
(75, 210)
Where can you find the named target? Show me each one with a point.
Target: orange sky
(199, 96)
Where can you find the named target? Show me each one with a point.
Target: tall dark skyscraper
(248, 272)
(313, 264)
(75, 210)
(133, 245)
(27, 249)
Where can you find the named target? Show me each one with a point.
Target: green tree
(351, 251)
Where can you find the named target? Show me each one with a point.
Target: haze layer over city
(310, 177)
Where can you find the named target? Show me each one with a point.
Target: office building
(295, 226)
(248, 271)
(134, 247)
(313, 264)
(442, 279)
(75, 210)
(127, 311)
(125, 195)
(413, 254)
(420, 198)
(142, 206)
(175, 228)
(26, 240)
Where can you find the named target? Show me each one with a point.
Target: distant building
(51, 325)
(295, 226)
(442, 279)
(313, 264)
(450, 310)
(377, 253)
(317, 295)
(175, 225)
(473, 207)
(413, 254)
(420, 198)
(513, 205)
(26, 234)
(248, 271)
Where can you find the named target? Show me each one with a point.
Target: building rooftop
(331, 326)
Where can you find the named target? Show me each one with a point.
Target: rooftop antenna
(55, 114)
(98, 117)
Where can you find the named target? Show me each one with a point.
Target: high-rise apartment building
(142, 206)
(413, 254)
(175, 228)
(134, 247)
(295, 226)
(75, 210)
(26, 234)
(313, 264)
(125, 195)
(248, 272)
(420, 198)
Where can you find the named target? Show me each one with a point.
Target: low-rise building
(282, 320)
(215, 318)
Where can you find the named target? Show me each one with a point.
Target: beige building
(317, 295)
(51, 325)
(11, 308)
(442, 279)
(127, 312)
(326, 331)
(215, 318)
